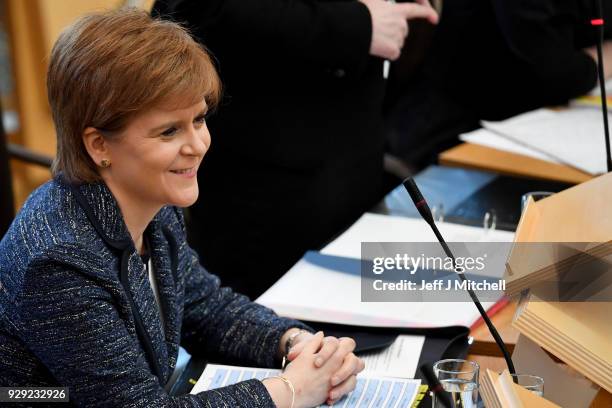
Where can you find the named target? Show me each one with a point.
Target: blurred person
(98, 287)
(491, 60)
(301, 152)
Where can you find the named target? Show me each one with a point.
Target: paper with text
(400, 359)
(370, 391)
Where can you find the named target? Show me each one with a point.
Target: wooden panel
(484, 344)
(36, 127)
(603, 399)
(485, 158)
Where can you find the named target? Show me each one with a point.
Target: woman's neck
(136, 214)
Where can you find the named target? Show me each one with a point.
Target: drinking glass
(459, 380)
(532, 383)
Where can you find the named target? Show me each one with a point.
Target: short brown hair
(106, 67)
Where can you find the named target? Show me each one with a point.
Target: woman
(98, 286)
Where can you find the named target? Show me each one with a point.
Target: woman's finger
(330, 345)
(347, 344)
(313, 344)
(344, 388)
(352, 365)
(296, 350)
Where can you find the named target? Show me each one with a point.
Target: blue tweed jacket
(77, 310)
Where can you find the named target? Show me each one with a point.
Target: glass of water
(532, 383)
(459, 380)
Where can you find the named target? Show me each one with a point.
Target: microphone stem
(602, 85)
(483, 313)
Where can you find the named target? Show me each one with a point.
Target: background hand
(390, 24)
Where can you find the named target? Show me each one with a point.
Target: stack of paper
(578, 333)
(572, 136)
(385, 228)
(326, 287)
(488, 138)
(371, 391)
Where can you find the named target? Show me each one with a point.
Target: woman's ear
(96, 146)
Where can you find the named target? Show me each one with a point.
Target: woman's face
(155, 159)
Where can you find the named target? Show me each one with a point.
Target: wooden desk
(484, 351)
(485, 158)
(484, 344)
(602, 400)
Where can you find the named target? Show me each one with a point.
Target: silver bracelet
(288, 345)
(289, 384)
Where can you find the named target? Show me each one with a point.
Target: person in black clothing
(299, 146)
(492, 60)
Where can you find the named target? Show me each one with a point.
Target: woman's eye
(169, 132)
(200, 119)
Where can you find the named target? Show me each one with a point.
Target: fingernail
(332, 395)
(319, 362)
(335, 381)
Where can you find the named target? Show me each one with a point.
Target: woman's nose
(198, 143)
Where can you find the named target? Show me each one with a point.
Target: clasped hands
(322, 370)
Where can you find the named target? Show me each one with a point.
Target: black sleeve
(542, 34)
(327, 35)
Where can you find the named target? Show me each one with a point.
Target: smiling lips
(188, 173)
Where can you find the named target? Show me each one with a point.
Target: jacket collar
(103, 212)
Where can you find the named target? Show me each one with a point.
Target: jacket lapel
(104, 214)
(162, 259)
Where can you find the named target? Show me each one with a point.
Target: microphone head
(413, 190)
(418, 199)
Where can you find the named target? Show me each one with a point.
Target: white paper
(400, 359)
(385, 228)
(370, 391)
(574, 136)
(312, 292)
(487, 138)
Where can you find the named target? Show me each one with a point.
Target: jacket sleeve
(327, 35)
(218, 321)
(542, 35)
(72, 323)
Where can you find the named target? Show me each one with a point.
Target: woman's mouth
(188, 172)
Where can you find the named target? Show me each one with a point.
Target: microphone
(599, 24)
(434, 385)
(421, 205)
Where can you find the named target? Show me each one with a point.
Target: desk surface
(484, 344)
(485, 158)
